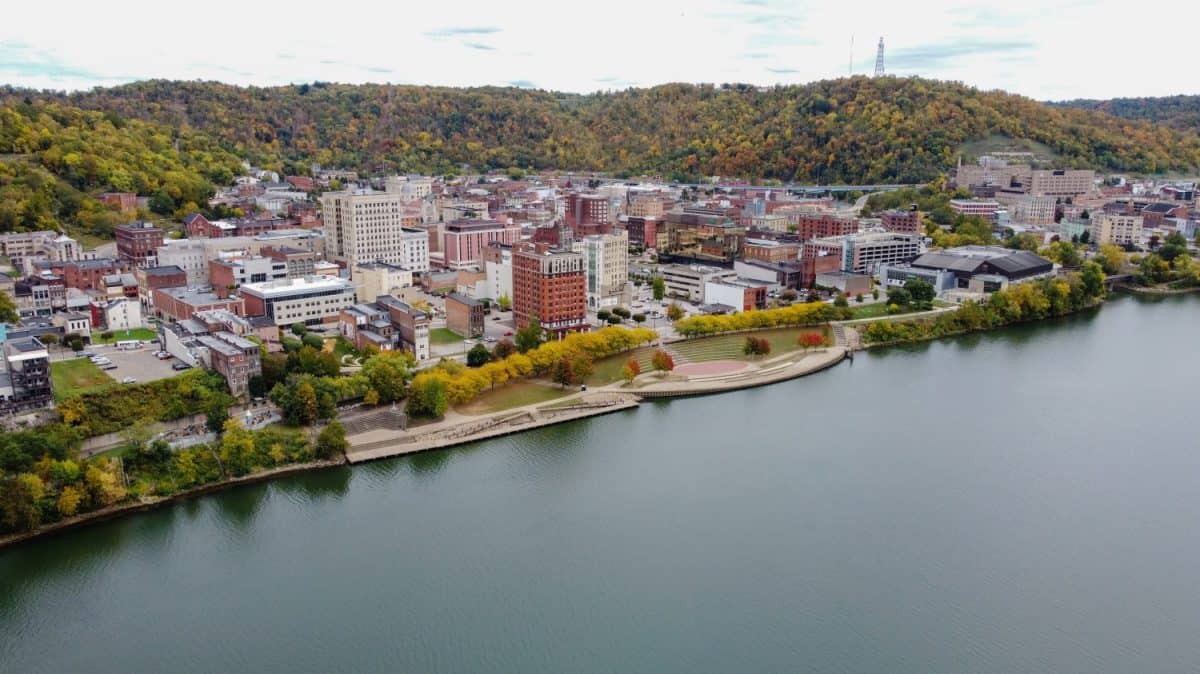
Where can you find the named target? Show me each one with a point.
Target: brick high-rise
(549, 286)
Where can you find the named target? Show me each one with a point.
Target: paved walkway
(456, 428)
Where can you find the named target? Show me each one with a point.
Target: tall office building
(606, 267)
(549, 286)
(367, 226)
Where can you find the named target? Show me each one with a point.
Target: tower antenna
(850, 70)
(879, 59)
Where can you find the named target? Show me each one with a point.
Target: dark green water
(1021, 501)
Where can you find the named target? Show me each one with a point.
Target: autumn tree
(631, 370)
(662, 361)
(674, 311)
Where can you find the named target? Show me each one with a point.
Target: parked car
(180, 366)
(86, 354)
(508, 334)
(129, 380)
(162, 355)
(489, 339)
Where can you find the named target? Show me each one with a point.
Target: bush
(313, 340)
(603, 315)
(298, 329)
(791, 316)
(621, 311)
(614, 319)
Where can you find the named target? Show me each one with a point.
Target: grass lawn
(869, 310)
(69, 377)
(608, 370)
(136, 333)
(442, 336)
(729, 347)
(516, 394)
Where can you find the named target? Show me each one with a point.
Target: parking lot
(137, 363)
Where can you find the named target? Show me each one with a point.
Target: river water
(1021, 501)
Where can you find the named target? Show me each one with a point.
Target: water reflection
(239, 506)
(317, 485)
(423, 464)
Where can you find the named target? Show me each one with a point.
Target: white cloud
(1042, 49)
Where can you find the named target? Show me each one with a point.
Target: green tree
(237, 448)
(659, 287)
(504, 302)
(331, 441)
(840, 301)
(920, 292)
(215, 416)
(1092, 277)
(899, 296)
(530, 336)
(1173, 246)
(478, 356)
(388, 374)
(428, 397)
(8, 309)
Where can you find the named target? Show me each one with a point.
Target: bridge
(787, 187)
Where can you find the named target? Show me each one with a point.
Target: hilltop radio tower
(879, 59)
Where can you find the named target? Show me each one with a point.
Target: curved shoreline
(121, 510)
(383, 443)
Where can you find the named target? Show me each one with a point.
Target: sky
(1045, 49)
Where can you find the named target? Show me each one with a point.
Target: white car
(129, 380)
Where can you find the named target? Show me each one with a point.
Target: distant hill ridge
(854, 130)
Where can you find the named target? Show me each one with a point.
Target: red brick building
(464, 315)
(88, 274)
(138, 242)
(125, 201)
(587, 209)
(181, 304)
(642, 231)
(814, 226)
(901, 221)
(549, 286)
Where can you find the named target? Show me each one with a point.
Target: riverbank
(145, 505)
(1158, 291)
(457, 429)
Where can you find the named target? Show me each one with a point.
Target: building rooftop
(463, 299)
(167, 270)
(297, 286)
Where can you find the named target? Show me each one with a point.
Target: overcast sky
(1046, 49)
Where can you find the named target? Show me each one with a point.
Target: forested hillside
(54, 159)
(1178, 112)
(857, 130)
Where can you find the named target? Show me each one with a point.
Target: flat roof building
(310, 300)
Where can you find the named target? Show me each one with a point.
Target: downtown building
(606, 265)
(368, 226)
(463, 241)
(549, 286)
(138, 242)
(864, 252)
(311, 301)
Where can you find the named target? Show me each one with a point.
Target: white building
(124, 313)
(366, 226)
(688, 281)
(497, 266)
(606, 268)
(372, 279)
(310, 300)
(410, 188)
(1118, 229)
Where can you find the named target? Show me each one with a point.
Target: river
(1026, 500)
